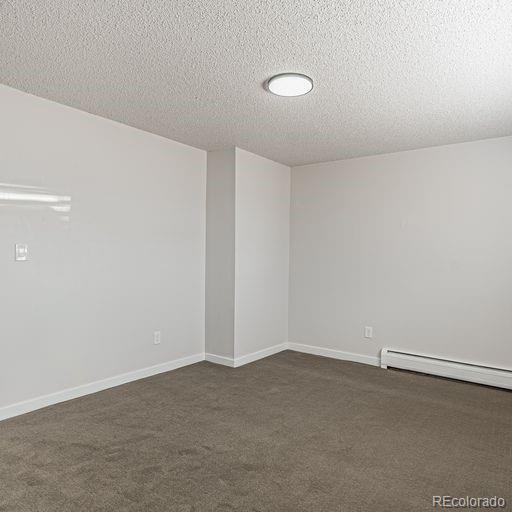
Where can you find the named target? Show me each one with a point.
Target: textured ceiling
(389, 75)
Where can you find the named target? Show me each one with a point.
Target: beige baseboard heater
(471, 372)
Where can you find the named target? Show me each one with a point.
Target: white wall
(416, 244)
(262, 253)
(128, 259)
(220, 253)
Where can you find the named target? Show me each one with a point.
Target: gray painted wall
(262, 252)
(128, 258)
(416, 244)
(220, 253)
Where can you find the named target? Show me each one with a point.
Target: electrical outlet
(368, 332)
(157, 337)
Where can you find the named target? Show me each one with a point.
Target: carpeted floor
(292, 432)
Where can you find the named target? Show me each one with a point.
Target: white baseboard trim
(248, 358)
(334, 354)
(39, 402)
(260, 354)
(297, 347)
(225, 361)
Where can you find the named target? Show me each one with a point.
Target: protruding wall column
(247, 256)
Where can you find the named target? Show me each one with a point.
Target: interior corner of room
(232, 257)
(255, 256)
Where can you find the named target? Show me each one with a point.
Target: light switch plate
(21, 252)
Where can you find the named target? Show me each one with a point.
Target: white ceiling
(389, 75)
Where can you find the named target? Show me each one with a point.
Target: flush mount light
(290, 84)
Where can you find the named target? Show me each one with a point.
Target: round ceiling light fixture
(290, 84)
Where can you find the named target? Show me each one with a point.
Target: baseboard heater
(471, 372)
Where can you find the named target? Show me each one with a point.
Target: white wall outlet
(21, 252)
(368, 332)
(157, 337)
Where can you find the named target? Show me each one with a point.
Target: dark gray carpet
(292, 432)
